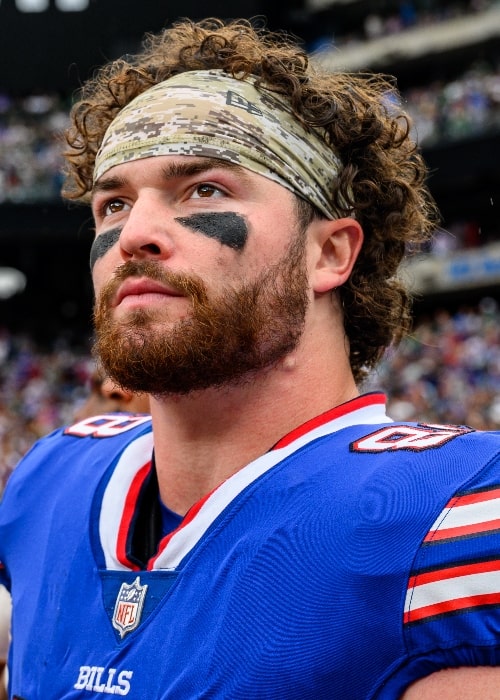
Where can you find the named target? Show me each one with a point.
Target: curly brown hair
(383, 175)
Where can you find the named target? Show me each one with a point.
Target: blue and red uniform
(355, 557)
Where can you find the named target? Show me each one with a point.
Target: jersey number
(407, 437)
(106, 425)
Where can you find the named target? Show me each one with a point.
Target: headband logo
(235, 100)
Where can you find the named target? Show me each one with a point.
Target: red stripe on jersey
(451, 606)
(127, 516)
(453, 572)
(190, 515)
(478, 497)
(473, 523)
(337, 412)
(463, 531)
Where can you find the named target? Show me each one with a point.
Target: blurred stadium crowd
(406, 14)
(447, 370)
(40, 389)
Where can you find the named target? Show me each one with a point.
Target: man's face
(200, 274)
(106, 397)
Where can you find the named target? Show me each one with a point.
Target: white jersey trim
(175, 547)
(135, 456)
(187, 536)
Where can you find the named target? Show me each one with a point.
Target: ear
(336, 245)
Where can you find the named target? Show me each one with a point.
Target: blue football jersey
(355, 557)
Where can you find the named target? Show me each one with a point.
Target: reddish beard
(222, 341)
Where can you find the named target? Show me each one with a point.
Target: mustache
(189, 285)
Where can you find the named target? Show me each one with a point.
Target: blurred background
(446, 59)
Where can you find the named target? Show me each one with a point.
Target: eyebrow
(199, 165)
(105, 184)
(171, 171)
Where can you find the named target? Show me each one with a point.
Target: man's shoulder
(87, 448)
(107, 432)
(113, 429)
(107, 425)
(419, 436)
(416, 439)
(63, 475)
(429, 461)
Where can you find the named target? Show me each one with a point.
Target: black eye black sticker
(227, 227)
(102, 244)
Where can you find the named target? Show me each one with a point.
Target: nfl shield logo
(128, 606)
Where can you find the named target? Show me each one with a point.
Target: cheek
(101, 274)
(272, 234)
(264, 251)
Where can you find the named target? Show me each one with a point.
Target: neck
(204, 438)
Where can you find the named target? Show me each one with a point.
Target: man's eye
(206, 190)
(113, 207)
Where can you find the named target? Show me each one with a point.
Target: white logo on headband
(235, 100)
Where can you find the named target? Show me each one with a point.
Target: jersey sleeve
(452, 607)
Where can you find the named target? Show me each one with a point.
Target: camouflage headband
(209, 113)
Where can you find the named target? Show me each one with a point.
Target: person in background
(269, 532)
(107, 397)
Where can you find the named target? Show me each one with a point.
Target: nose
(145, 233)
(112, 392)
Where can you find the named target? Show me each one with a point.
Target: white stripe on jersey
(136, 455)
(470, 514)
(185, 537)
(182, 540)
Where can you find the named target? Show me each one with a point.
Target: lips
(142, 287)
